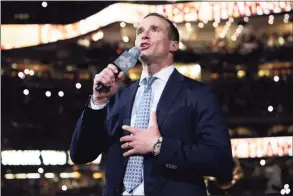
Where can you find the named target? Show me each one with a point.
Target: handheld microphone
(124, 63)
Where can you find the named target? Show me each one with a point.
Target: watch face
(157, 147)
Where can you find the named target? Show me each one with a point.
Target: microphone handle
(101, 87)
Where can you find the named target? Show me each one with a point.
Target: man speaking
(162, 134)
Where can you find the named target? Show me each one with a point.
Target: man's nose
(145, 35)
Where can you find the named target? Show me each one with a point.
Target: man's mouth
(144, 46)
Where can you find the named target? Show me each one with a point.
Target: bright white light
(231, 19)
(98, 160)
(215, 24)
(205, 21)
(61, 93)
(270, 108)
(14, 65)
(195, 70)
(21, 75)
(271, 17)
(238, 30)
(246, 19)
(286, 20)
(287, 191)
(53, 157)
(41, 170)
(217, 20)
(125, 39)
(99, 35)
(283, 191)
(286, 16)
(277, 10)
(48, 93)
(64, 175)
(276, 78)
(286, 186)
(13, 157)
(262, 162)
(271, 22)
(26, 92)
(181, 46)
(78, 85)
(20, 176)
(33, 175)
(200, 25)
(31, 72)
(49, 175)
(44, 4)
(188, 25)
(9, 176)
(182, 70)
(64, 187)
(84, 42)
(266, 11)
(135, 25)
(26, 71)
(259, 12)
(122, 24)
(233, 38)
(69, 68)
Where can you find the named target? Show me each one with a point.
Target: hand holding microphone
(107, 82)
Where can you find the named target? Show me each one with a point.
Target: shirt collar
(163, 75)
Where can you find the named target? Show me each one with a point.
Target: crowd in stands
(248, 49)
(27, 117)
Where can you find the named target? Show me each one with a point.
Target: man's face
(152, 38)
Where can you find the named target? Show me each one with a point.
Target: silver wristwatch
(157, 147)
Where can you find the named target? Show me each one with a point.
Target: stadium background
(50, 52)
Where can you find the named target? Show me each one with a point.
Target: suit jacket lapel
(172, 88)
(127, 108)
(126, 113)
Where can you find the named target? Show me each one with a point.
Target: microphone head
(127, 59)
(135, 52)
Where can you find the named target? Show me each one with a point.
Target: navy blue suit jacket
(196, 142)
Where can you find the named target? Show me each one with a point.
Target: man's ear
(173, 46)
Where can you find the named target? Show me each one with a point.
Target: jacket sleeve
(212, 155)
(90, 137)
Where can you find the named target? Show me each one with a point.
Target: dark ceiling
(56, 12)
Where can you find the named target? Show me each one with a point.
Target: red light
(118, 51)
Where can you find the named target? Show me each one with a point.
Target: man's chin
(144, 58)
(144, 54)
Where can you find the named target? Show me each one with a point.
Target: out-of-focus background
(50, 52)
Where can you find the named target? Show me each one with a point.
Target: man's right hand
(108, 79)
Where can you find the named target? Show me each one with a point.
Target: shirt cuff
(96, 106)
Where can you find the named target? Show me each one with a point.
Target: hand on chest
(174, 116)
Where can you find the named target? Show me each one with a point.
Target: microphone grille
(135, 52)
